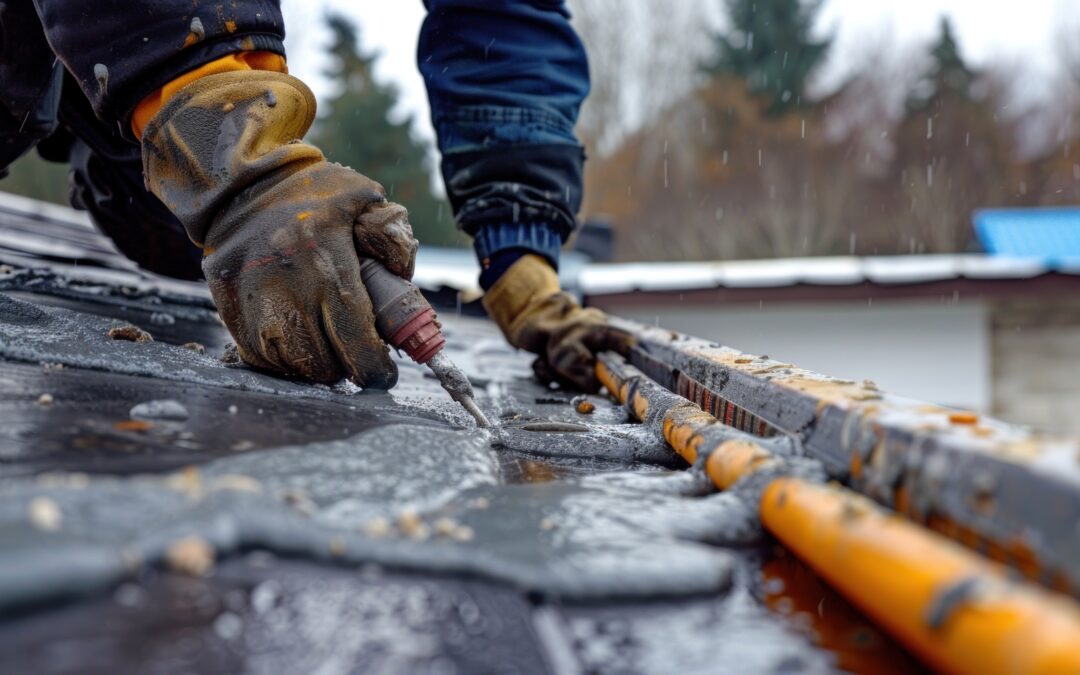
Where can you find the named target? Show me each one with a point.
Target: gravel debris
(299, 501)
(192, 556)
(412, 526)
(377, 527)
(44, 514)
(130, 333)
(231, 357)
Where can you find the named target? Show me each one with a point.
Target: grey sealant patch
(576, 540)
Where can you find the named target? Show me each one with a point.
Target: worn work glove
(282, 229)
(536, 316)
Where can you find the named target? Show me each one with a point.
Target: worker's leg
(30, 82)
(505, 79)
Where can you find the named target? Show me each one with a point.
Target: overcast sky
(1014, 32)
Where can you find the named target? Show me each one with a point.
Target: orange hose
(950, 606)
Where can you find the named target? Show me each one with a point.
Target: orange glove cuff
(150, 105)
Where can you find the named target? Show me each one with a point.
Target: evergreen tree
(953, 153)
(947, 74)
(359, 133)
(770, 48)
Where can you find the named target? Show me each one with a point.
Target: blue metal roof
(1048, 233)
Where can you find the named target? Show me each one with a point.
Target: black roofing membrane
(358, 531)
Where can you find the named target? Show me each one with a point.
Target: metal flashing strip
(1008, 492)
(959, 612)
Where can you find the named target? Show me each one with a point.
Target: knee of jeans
(478, 127)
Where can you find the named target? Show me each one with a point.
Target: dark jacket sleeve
(119, 51)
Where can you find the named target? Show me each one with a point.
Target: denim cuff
(539, 238)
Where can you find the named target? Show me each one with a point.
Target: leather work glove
(536, 316)
(282, 229)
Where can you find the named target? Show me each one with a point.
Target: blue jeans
(506, 79)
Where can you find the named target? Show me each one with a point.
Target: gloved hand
(282, 228)
(536, 316)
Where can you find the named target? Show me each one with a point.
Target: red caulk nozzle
(419, 336)
(404, 318)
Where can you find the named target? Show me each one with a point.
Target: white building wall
(929, 350)
(1036, 350)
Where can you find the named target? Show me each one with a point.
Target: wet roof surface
(354, 531)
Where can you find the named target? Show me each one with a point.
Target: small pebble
(585, 407)
(133, 425)
(265, 596)
(195, 347)
(299, 501)
(187, 481)
(130, 333)
(233, 410)
(44, 514)
(464, 533)
(192, 556)
(337, 547)
(411, 525)
(130, 596)
(231, 357)
(547, 524)
(963, 417)
(45, 399)
(377, 527)
(228, 626)
(445, 527)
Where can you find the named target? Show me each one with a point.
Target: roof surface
(352, 531)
